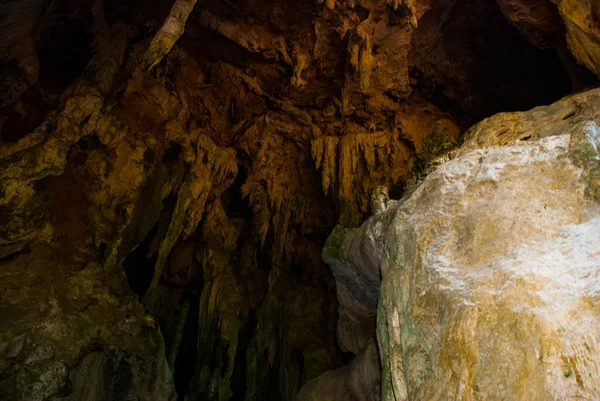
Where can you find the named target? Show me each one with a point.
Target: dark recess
(236, 205)
(65, 50)
(238, 377)
(185, 363)
(139, 268)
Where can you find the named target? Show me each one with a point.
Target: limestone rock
(490, 268)
(69, 334)
(354, 256)
(581, 19)
(330, 386)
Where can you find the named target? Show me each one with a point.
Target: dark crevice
(396, 192)
(65, 50)
(185, 363)
(115, 10)
(19, 121)
(234, 203)
(139, 266)
(24, 251)
(206, 44)
(362, 12)
(500, 70)
(238, 377)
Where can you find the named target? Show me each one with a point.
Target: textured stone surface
(354, 257)
(69, 332)
(582, 24)
(490, 267)
(360, 381)
(330, 386)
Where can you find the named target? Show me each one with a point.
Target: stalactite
(353, 165)
(168, 34)
(183, 314)
(212, 172)
(220, 308)
(280, 188)
(109, 45)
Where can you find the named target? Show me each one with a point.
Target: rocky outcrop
(489, 269)
(360, 381)
(71, 332)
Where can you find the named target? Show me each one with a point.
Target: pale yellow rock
(491, 270)
(168, 34)
(582, 31)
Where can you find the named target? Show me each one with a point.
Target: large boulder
(490, 273)
(490, 268)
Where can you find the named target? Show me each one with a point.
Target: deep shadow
(139, 267)
(238, 377)
(236, 205)
(185, 363)
(65, 50)
(483, 65)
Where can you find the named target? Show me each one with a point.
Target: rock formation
(170, 172)
(489, 269)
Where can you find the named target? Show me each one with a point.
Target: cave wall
(199, 171)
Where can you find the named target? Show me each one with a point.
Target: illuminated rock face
(490, 268)
(170, 172)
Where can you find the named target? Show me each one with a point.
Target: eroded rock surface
(490, 269)
(70, 333)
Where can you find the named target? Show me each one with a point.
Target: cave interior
(197, 175)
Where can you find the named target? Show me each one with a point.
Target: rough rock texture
(69, 332)
(206, 150)
(361, 381)
(547, 23)
(490, 268)
(582, 25)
